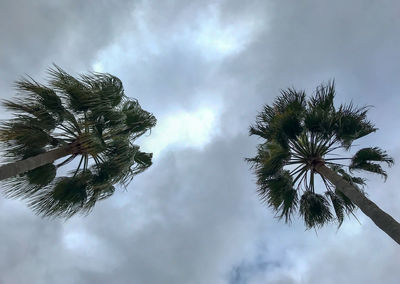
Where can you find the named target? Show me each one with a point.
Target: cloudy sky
(204, 68)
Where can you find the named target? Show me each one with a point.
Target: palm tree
(304, 149)
(89, 118)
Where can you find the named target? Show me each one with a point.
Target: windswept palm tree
(89, 118)
(303, 161)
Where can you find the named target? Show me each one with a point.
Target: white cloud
(98, 67)
(183, 129)
(216, 40)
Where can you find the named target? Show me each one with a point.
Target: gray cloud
(194, 216)
(36, 34)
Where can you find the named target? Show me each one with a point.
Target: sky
(204, 69)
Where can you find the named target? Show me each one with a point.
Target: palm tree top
(93, 119)
(300, 134)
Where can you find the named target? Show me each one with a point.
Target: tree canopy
(300, 133)
(92, 116)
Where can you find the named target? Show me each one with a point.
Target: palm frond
(347, 203)
(286, 126)
(364, 160)
(352, 124)
(371, 167)
(314, 208)
(371, 154)
(338, 206)
(40, 94)
(43, 175)
(323, 98)
(142, 161)
(270, 159)
(66, 198)
(37, 114)
(24, 134)
(290, 100)
(108, 87)
(282, 121)
(137, 121)
(278, 193)
(79, 95)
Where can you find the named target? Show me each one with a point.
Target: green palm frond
(290, 100)
(24, 134)
(323, 98)
(270, 159)
(142, 160)
(319, 118)
(108, 87)
(315, 209)
(43, 175)
(352, 124)
(39, 94)
(37, 114)
(338, 206)
(347, 203)
(137, 120)
(278, 192)
(319, 122)
(371, 154)
(371, 167)
(77, 93)
(97, 193)
(286, 126)
(282, 120)
(66, 198)
(364, 160)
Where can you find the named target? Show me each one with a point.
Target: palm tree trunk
(19, 167)
(383, 220)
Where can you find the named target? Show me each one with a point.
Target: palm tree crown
(88, 117)
(301, 135)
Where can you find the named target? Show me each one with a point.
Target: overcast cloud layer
(204, 68)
